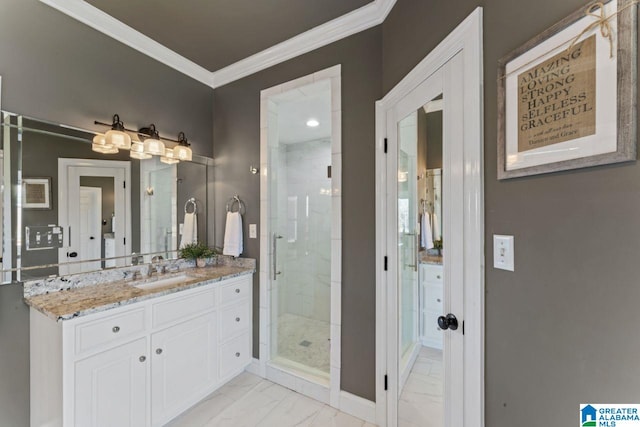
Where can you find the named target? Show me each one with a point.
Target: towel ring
(192, 202)
(232, 201)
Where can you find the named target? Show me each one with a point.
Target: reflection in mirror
(85, 211)
(7, 209)
(420, 266)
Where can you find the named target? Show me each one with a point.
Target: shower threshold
(300, 370)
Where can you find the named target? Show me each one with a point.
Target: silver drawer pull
(158, 351)
(237, 354)
(142, 358)
(115, 329)
(237, 291)
(237, 319)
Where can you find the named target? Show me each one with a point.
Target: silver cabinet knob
(439, 300)
(115, 329)
(237, 354)
(237, 319)
(158, 351)
(439, 277)
(142, 358)
(237, 291)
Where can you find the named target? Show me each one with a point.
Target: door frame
(63, 202)
(466, 39)
(331, 394)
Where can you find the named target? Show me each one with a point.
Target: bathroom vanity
(138, 353)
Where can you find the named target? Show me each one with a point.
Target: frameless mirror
(79, 210)
(420, 266)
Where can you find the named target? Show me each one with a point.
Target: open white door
(90, 227)
(430, 305)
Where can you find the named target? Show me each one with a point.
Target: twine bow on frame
(602, 21)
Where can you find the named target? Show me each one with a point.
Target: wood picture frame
(542, 131)
(36, 193)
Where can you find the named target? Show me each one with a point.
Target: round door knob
(142, 358)
(72, 254)
(158, 351)
(115, 329)
(237, 291)
(237, 319)
(448, 322)
(237, 354)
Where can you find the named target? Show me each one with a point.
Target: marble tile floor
(304, 341)
(421, 401)
(248, 401)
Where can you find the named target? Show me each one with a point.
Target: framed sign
(567, 98)
(36, 193)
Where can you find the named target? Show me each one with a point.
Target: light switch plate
(503, 252)
(253, 231)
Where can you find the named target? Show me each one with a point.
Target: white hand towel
(426, 237)
(233, 235)
(189, 230)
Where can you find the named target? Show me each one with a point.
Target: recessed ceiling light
(313, 123)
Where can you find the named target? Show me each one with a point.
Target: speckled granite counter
(83, 300)
(424, 258)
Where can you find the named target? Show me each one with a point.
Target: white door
(70, 172)
(90, 226)
(111, 387)
(184, 366)
(419, 384)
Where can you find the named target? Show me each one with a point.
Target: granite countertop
(430, 259)
(81, 301)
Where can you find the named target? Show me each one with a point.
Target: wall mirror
(74, 210)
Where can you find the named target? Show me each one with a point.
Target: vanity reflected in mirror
(75, 210)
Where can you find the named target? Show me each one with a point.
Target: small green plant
(197, 250)
(437, 244)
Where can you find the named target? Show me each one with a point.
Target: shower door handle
(416, 242)
(274, 255)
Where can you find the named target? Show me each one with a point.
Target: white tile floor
(421, 400)
(248, 401)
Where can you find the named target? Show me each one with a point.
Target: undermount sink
(161, 283)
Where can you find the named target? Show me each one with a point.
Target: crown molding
(353, 22)
(358, 20)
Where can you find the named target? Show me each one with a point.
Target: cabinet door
(183, 366)
(111, 387)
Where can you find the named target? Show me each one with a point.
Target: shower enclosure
(301, 235)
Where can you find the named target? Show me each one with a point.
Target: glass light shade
(182, 152)
(137, 152)
(118, 139)
(154, 146)
(104, 148)
(99, 139)
(169, 158)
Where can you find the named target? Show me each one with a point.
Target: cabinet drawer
(235, 291)
(432, 273)
(433, 297)
(235, 355)
(432, 333)
(182, 307)
(234, 320)
(107, 330)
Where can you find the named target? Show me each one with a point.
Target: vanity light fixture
(137, 151)
(182, 150)
(117, 135)
(152, 144)
(100, 145)
(313, 123)
(169, 158)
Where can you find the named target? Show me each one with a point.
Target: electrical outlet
(253, 231)
(503, 252)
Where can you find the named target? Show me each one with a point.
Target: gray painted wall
(58, 69)
(562, 329)
(237, 146)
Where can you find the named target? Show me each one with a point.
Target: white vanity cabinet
(432, 293)
(141, 364)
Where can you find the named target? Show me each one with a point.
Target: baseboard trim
(254, 367)
(358, 407)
